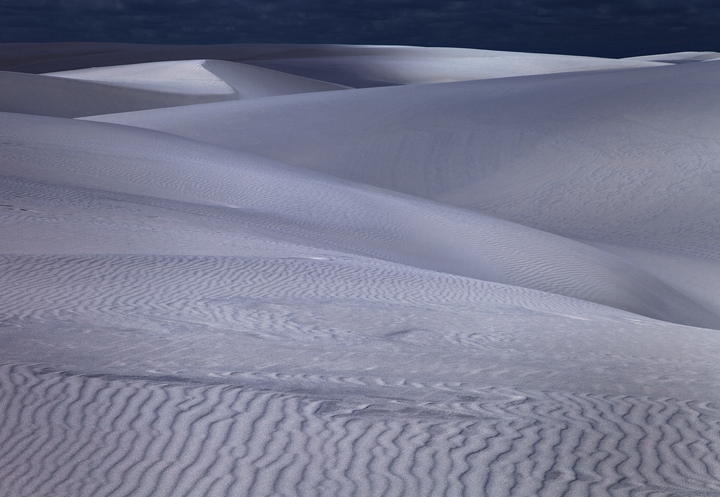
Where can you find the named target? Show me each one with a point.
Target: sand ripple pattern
(323, 211)
(221, 290)
(64, 434)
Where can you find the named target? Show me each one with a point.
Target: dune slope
(386, 66)
(199, 77)
(505, 287)
(62, 97)
(592, 156)
(626, 158)
(324, 210)
(351, 65)
(135, 87)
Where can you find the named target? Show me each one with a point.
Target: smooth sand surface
(133, 87)
(350, 65)
(492, 288)
(186, 77)
(41, 95)
(200, 77)
(332, 213)
(677, 57)
(412, 65)
(626, 158)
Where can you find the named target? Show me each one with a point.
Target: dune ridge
(60, 97)
(340, 215)
(558, 153)
(464, 272)
(361, 65)
(622, 159)
(93, 91)
(202, 77)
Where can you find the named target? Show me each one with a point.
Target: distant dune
(309, 270)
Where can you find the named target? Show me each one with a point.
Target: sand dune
(499, 146)
(322, 211)
(498, 287)
(188, 77)
(413, 65)
(62, 97)
(224, 438)
(135, 87)
(200, 77)
(209, 315)
(677, 57)
(625, 158)
(350, 65)
(252, 82)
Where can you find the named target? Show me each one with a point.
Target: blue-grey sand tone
(329, 270)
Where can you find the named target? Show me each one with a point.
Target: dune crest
(185, 77)
(338, 214)
(199, 77)
(332, 270)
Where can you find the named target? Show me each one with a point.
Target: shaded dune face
(413, 65)
(63, 97)
(201, 77)
(92, 91)
(597, 156)
(355, 270)
(385, 64)
(336, 214)
(626, 160)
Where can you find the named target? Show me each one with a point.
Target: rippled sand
(272, 270)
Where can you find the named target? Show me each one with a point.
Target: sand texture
(277, 270)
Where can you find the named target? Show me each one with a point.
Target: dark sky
(611, 28)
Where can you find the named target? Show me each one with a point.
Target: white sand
(503, 288)
(626, 158)
(199, 77)
(186, 76)
(676, 57)
(133, 87)
(413, 65)
(352, 65)
(63, 97)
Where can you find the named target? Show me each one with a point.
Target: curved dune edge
(337, 214)
(185, 77)
(414, 66)
(36, 94)
(199, 77)
(466, 288)
(352, 65)
(118, 89)
(627, 159)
